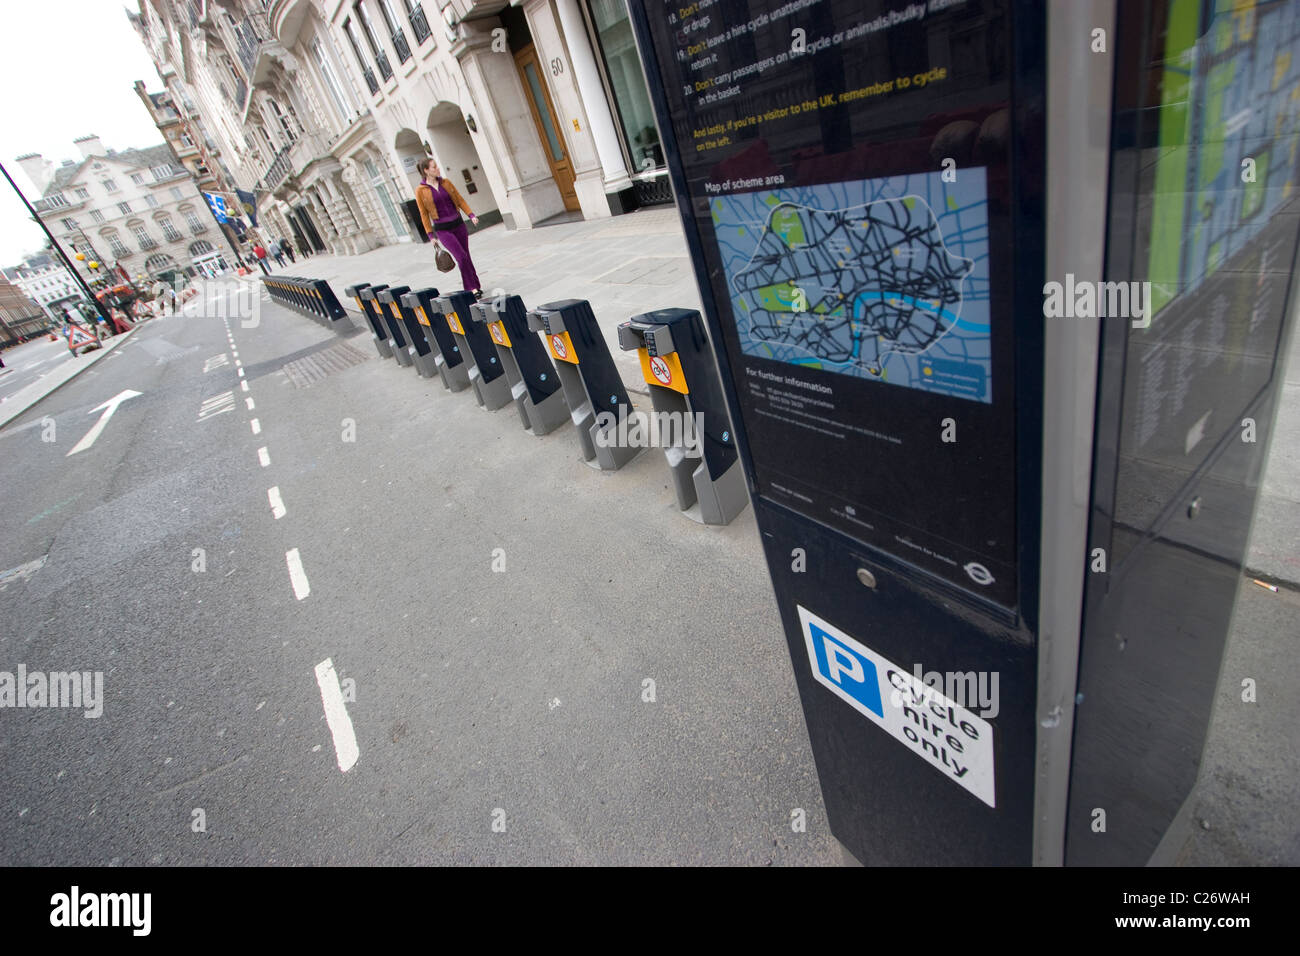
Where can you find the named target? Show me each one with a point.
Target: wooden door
(548, 126)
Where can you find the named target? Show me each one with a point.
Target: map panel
(882, 279)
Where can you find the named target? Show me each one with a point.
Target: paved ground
(475, 691)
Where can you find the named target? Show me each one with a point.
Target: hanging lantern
(93, 264)
(80, 257)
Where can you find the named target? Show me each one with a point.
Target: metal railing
(385, 70)
(198, 230)
(401, 46)
(250, 34)
(241, 94)
(371, 82)
(278, 169)
(419, 25)
(148, 244)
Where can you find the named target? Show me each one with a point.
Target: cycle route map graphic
(884, 279)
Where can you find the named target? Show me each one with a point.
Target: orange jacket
(429, 210)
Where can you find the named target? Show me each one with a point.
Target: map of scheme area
(883, 279)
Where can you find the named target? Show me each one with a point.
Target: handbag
(442, 258)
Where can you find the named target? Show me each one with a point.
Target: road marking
(249, 402)
(244, 385)
(297, 576)
(109, 408)
(336, 715)
(225, 402)
(264, 457)
(278, 512)
(241, 373)
(256, 426)
(234, 352)
(217, 361)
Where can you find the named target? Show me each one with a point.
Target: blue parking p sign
(851, 672)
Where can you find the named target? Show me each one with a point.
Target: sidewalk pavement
(623, 266)
(60, 376)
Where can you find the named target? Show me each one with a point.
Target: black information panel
(847, 164)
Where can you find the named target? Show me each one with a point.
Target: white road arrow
(109, 408)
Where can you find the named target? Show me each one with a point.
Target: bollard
(380, 338)
(528, 371)
(448, 359)
(336, 317)
(416, 345)
(396, 341)
(677, 364)
(591, 382)
(491, 389)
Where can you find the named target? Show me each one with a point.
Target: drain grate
(305, 372)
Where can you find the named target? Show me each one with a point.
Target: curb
(20, 403)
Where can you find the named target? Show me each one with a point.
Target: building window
(286, 127)
(146, 241)
(395, 32)
(195, 224)
(166, 171)
(96, 216)
(331, 81)
(177, 193)
(169, 231)
(385, 201)
(69, 224)
(137, 178)
(151, 201)
(83, 193)
(109, 186)
(124, 208)
(116, 246)
(381, 58)
(627, 84)
(371, 83)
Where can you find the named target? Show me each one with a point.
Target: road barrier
(677, 363)
(447, 357)
(591, 382)
(485, 374)
(417, 345)
(378, 333)
(391, 327)
(531, 377)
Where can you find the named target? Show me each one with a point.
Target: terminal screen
(848, 169)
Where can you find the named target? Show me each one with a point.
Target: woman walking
(440, 206)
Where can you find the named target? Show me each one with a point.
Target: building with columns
(45, 280)
(535, 109)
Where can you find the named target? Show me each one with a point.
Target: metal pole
(99, 306)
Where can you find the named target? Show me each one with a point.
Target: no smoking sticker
(557, 344)
(659, 368)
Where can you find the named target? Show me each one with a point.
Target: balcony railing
(147, 245)
(419, 25)
(250, 34)
(241, 94)
(400, 45)
(198, 230)
(385, 70)
(371, 82)
(171, 235)
(278, 169)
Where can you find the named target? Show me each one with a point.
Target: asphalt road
(499, 716)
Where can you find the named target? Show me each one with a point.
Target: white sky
(66, 70)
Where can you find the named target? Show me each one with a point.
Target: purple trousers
(457, 243)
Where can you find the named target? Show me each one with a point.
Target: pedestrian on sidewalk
(287, 247)
(304, 248)
(440, 207)
(259, 253)
(277, 252)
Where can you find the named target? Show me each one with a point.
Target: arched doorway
(410, 152)
(453, 148)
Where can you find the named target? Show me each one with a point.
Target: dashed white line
(277, 508)
(241, 373)
(264, 457)
(336, 715)
(244, 384)
(256, 426)
(297, 576)
(249, 403)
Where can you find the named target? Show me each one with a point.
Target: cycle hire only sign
(955, 741)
